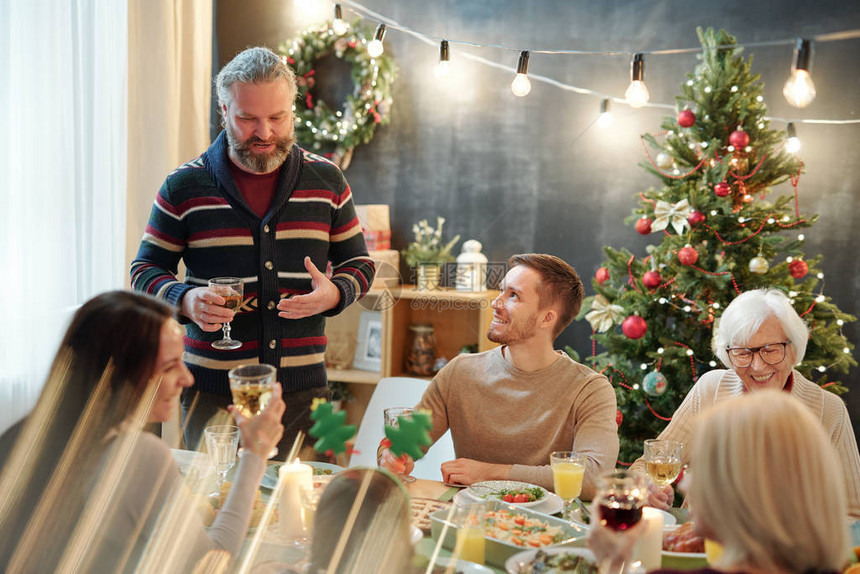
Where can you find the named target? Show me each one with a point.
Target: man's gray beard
(255, 162)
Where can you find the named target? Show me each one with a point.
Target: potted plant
(427, 253)
(340, 394)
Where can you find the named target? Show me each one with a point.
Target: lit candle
(649, 547)
(293, 476)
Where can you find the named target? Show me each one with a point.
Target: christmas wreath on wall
(320, 127)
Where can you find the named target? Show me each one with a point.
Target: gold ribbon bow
(603, 315)
(676, 214)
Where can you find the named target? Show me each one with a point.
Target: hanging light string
(430, 40)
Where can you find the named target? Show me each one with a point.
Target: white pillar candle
(649, 547)
(293, 476)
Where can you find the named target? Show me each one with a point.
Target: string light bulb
(792, 145)
(375, 47)
(339, 25)
(637, 94)
(604, 120)
(521, 85)
(799, 90)
(443, 69)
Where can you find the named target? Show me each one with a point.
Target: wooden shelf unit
(459, 319)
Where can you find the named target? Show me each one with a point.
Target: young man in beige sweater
(510, 407)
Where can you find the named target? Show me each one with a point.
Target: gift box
(387, 268)
(376, 226)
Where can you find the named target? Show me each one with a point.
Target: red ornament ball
(688, 255)
(643, 225)
(722, 189)
(634, 327)
(695, 218)
(798, 268)
(652, 279)
(602, 275)
(740, 139)
(619, 418)
(686, 118)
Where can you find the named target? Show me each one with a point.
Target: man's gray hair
(253, 66)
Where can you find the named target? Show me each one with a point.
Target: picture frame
(368, 348)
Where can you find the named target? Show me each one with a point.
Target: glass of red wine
(619, 501)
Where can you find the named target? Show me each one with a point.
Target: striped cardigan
(200, 217)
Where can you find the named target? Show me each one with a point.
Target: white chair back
(398, 392)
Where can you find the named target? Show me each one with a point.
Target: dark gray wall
(530, 174)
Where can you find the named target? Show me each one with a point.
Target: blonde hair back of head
(768, 484)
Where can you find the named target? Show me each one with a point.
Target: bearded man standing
(258, 207)
(510, 407)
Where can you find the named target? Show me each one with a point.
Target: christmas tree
(716, 232)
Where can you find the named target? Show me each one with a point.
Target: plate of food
(522, 494)
(270, 477)
(553, 561)
(511, 530)
(683, 547)
(422, 508)
(551, 504)
(443, 563)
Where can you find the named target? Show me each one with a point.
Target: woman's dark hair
(98, 379)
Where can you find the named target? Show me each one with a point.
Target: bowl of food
(510, 529)
(683, 548)
(553, 561)
(522, 494)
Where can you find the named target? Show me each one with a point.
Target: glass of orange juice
(713, 551)
(568, 470)
(470, 521)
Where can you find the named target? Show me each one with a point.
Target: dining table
(264, 552)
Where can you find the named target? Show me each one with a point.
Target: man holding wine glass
(257, 208)
(759, 338)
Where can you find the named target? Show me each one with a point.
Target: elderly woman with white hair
(760, 338)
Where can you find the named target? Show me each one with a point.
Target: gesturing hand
(205, 308)
(325, 295)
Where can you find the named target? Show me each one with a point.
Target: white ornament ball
(759, 265)
(664, 160)
(655, 383)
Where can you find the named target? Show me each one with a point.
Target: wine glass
(222, 442)
(663, 460)
(252, 387)
(619, 501)
(568, 469)
(231, 289)
(392, 416)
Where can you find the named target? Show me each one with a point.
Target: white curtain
(62, 176)
(170, 71)
(99, 99)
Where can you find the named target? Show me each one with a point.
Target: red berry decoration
(740, 139)
(619, 418)
(652, 279)
(634, 327)
(686, 118)
(798, 268)
(688, 256)
(695, 218)
(722, 189)
(602, 275)
(643, 225)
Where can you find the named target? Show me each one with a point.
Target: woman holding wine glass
(759, 338)
(79, 473)
(760, 486)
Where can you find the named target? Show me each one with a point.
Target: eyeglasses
(770, 354)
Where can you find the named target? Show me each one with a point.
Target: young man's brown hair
(559, 285)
